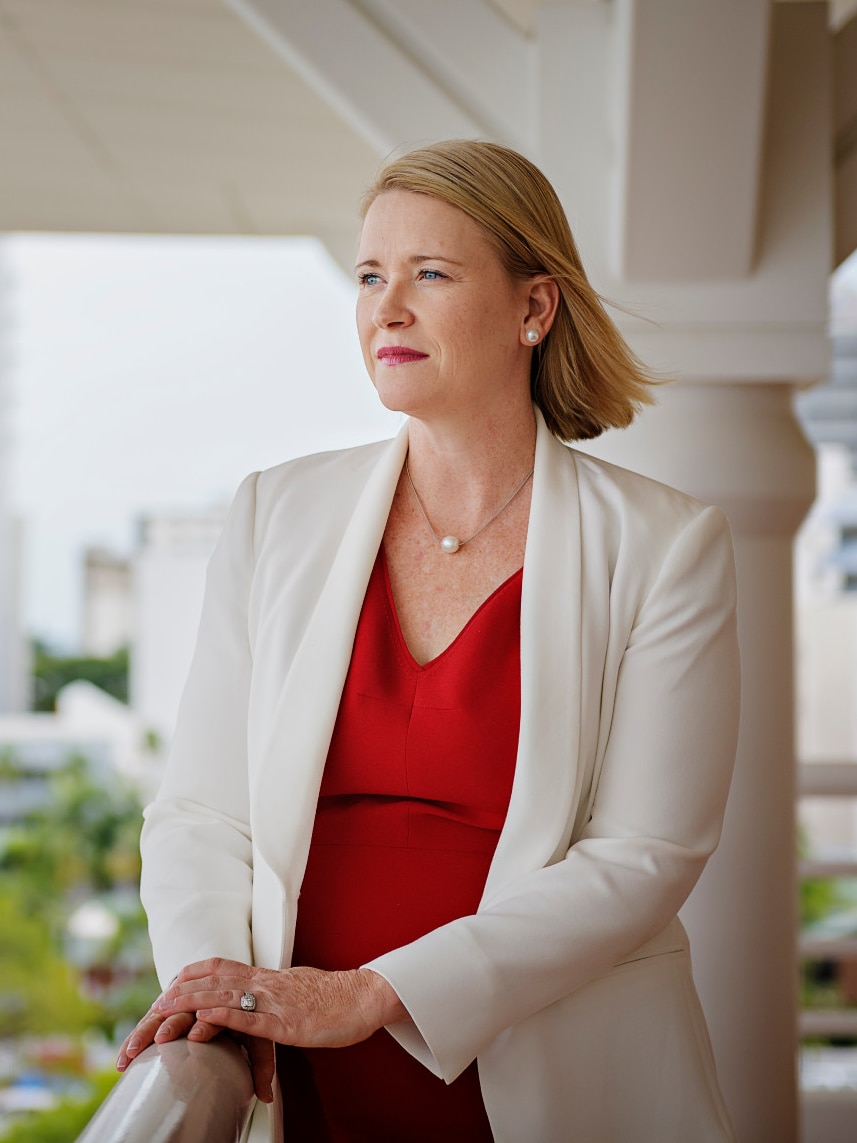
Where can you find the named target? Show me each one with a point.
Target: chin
(393, 398)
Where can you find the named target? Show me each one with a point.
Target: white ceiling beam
(845, 140)
(691, 95)
(474, 53)
(375, 85)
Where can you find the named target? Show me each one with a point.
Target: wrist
(383, 1001)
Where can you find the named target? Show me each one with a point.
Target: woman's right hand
(155, 1028)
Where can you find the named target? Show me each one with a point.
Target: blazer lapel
(293, 760)
(546, 788)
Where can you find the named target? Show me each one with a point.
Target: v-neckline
(391, 602)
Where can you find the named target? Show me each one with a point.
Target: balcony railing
(827, 780)
(178, 1093)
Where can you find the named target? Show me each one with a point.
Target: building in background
(108, 603)
(150, 602)
(168, 582)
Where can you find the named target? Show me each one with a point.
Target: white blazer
(571, 985)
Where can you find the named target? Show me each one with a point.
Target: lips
(399, 355)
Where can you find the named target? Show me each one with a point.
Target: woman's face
(441, 323)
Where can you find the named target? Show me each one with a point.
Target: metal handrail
(178, 1092)
(826, 948)
(815, 869)
(827, 779)
(828, 1022)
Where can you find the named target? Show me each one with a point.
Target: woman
(492, 788)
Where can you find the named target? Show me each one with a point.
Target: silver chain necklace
(451, 544)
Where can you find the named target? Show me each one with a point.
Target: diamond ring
(248, 1002)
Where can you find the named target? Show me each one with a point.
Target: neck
(462, 471)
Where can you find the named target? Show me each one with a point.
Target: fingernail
(121, 1065)
(195, 1033)
(133, 1046)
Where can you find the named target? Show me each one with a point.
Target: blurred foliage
(52, 672)
(80, 847)
(819, 988)
(39, 992)
(818, 897)
(820, 900)
(63, 1123)
(85, 837)
(74, 857)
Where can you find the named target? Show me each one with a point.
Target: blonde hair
(584, 376)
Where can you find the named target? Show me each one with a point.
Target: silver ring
(248, 1002)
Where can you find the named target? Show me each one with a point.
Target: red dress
(413, 798)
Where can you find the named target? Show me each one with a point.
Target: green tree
(83, 843)
(39, 992)
(85, 837)
(52, 672)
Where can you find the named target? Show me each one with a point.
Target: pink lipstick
(399, 355)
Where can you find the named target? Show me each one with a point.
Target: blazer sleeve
(655, 819)
(197, 856)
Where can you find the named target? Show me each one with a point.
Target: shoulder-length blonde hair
(584, 376)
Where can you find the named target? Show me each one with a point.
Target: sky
(151, 375)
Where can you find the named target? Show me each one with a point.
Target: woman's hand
(159, 1028)
(305, 1007)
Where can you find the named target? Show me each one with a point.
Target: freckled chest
(437, 593)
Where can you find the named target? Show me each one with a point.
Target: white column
(736, 341)
(739, 446)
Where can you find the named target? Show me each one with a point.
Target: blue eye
(368, 279)
(432, 275)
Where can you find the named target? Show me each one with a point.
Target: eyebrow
(414, 260)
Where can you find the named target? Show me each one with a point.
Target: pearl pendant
(450, 544)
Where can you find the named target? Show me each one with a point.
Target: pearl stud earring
(532, 336)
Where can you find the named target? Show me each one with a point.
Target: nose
(391, 308)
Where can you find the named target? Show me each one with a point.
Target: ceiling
(166, 116)
(173, 116)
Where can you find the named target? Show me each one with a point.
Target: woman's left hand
(305, 1007)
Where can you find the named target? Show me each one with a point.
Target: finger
(210, 993)
(213, 966)
(261, 1056)
(238, 979)
(202, 1032)
(139, 1039)
(174, 1027)
(260, 1024)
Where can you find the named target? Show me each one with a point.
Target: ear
(542, 303)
